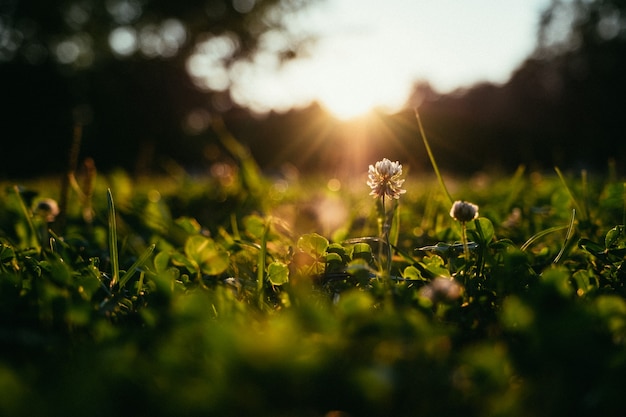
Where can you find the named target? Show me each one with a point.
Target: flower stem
(383, 246)
(464, 239)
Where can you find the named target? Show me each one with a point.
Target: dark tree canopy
(145, 78)
(579, 73)
(137, 74)
(85, 33)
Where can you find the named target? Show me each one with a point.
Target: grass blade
(539, 235)
(34, 237)
(569, 192)
(115, 266)
(432, 158)
(139, 262)
(568, 235)
(261, 263)
(624, 210)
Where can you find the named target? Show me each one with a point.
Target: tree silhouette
(124, 70)
(563, 106)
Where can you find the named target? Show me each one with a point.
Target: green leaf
(180, 259)
(362, 251)
(334, 262)
(412, 273)
(161, 261)
(313, 244)
(7, 254)
(339, 250)
(210, 257)
(584, 281)
(189, 225)
(254, 225)
(615, 238)
(435, 265)
(361, 271)
(592, 247)
(277, 273)
(59, 271)
(482, 230)
(332, 257)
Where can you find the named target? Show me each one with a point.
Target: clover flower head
(384, 179)
(442, 289)
(464, 211)
(48, 209)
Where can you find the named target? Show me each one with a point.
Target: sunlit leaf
(339, 250)
(211, 258)
(313, 244)
(161, 261)
(334, 262)
(180, 259)
(188, 224)
(362, 251)
(278, 273)
(412, 273)
(254, 225)
(435, 265)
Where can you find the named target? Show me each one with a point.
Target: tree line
(139, 109)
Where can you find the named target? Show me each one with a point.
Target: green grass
(247, 295)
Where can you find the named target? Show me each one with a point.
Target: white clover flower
(464, 211)
(384, 179)
(442, 289)
(48, 209)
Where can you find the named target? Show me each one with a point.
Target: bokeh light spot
(207, 65)
(124, 11)
(154, 196)
(334, 184)
(76, 15)
(243, 6)
(67, 51)
(197, 121)
(123, 41)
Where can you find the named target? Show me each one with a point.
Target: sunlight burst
(357, 88)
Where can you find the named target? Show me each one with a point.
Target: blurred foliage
(140, 76)
(237, 307)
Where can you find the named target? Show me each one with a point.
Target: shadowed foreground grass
(237, 294)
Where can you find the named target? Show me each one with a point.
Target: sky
(369, 53)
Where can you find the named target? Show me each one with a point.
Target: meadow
(238, 293)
